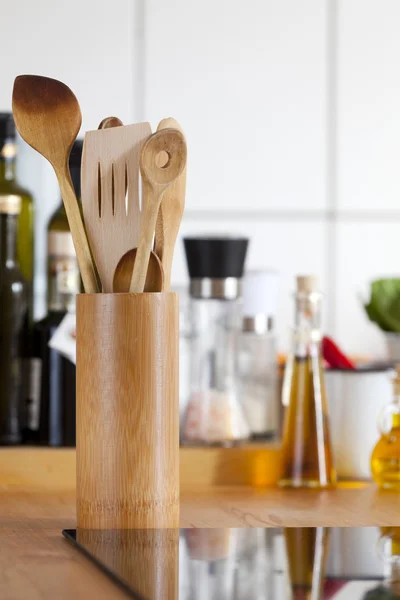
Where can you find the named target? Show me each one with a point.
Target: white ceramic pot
(355, 398)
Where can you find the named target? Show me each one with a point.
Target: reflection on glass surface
(249, 564)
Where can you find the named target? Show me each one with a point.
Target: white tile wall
(291, 110)
(368, 124)
(247, 82)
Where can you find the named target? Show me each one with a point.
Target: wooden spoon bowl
(48, 118)
(123, 273)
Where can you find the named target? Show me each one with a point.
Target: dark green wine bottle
(57, 394)
(13, 321)
(9, 186)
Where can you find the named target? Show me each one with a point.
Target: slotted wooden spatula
(110, 194)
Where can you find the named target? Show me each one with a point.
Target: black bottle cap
(7, 126)
(75, 158)
(215, 257)
(75, 161)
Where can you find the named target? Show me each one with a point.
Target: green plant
(384, 304)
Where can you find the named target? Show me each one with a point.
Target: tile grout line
(331, 240)
(139, 70)
(288, 216)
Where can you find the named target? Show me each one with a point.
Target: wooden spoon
(109, 122)
(123, 273)
(170, 214)
(156, 178)
(48, 118)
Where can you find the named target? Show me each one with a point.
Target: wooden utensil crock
(127, 437)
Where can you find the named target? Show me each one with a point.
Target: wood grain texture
(256, 465)
(35, 557)
(156, 179)
(110, 173)
(349, 505)
(48, 118)
(148, 559)
(54, 469)
(127, 411)
(170, 214)
(124, 269)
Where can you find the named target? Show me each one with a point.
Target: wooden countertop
(36, 562)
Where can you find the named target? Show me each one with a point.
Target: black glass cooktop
(248, 564)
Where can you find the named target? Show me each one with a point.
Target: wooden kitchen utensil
(109, 122)
(48, 118)
(110, 194)
(127, 438)
(123, 273)
(146, 559)
(156, 178)
(169, 214)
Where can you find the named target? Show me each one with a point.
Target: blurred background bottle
(54, 418)
(9, 185)
(307, 451)
(13, 321)
(307, 551)
(258, 355)
(385, 459)
(214, 414)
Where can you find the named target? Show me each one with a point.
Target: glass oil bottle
(385, 459)
(307, 451)
(307, 551)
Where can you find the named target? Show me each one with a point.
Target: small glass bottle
(13, 322)
(385, 459)
(307, 451)
(258, 354)
(213, 413)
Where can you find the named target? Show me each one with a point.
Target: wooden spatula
(168, 144)
(48, 118)
(110, 194)
(170, 214)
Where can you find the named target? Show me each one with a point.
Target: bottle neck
(307, 328)
(8, 155)
(8, 239)
(396, 415)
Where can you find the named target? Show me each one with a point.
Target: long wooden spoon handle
(78, 232)
(151, 202)
(169, 215)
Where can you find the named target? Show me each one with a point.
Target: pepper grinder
(214, 415)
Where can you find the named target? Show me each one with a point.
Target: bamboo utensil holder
(146, 559)
(127, 411)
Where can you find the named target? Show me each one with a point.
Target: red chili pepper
(334, 356)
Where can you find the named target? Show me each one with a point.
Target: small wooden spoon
(123, 273)
(48, 118)
(156, 179)
(109, 122)
(170, 214)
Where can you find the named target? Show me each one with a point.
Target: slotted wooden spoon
(156, 178)
(170, 214)
(48, 118)
(110, 194)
